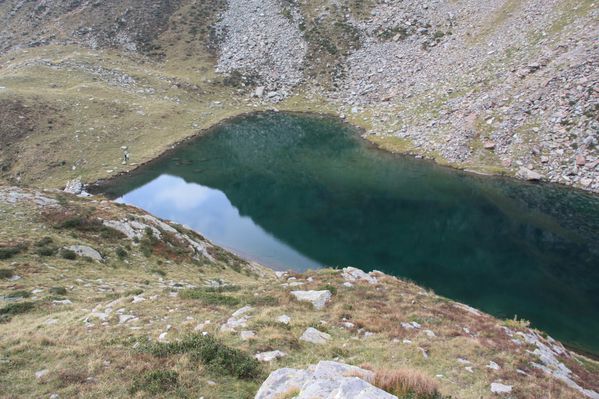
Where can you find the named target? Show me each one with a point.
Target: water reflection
(210, 212)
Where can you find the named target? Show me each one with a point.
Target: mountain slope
(497, 86)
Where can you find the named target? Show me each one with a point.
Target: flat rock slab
(318, 299)
(314, 336)
(326, 380)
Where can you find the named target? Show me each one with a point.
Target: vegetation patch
(13, 309)
(6, 273)
(208, 297)
(155, 382)
(217, 357)
(10, 251)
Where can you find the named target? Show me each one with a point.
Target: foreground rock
(326, 380)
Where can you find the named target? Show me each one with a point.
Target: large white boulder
(326, 380)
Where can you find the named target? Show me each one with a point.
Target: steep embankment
(496, 86)
(99, 299)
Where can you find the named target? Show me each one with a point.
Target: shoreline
(95, 186)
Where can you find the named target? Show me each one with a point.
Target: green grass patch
(58, 291)
(217, 357)
(208, 297)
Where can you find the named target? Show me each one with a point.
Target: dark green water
(296, 191)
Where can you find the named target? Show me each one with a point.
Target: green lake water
(299, 191)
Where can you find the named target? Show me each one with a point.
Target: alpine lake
(295, 191)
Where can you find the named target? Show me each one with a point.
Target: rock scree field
(101, 299)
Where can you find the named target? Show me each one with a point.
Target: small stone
(270, 356)
(580, 160)
(247, 335)
(41, 374)
(489, 145)
(284, 319)
(493, 366)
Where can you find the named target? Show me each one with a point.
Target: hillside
(100, 299)
(496, 87)
(96, 296)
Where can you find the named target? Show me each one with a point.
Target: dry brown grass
(403, 382)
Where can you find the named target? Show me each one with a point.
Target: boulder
(528, 174)
(352, 274)
(84, 250)
(318, 299)
(314, 336)
(326, 380)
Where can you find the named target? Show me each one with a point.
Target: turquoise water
(297, 191)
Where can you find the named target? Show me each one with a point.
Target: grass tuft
(407, 383)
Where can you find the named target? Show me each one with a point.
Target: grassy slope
(100, 359)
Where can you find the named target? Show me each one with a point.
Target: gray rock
(84, 250)
(352, 274)
(314, 336)
(530, 175)
(284, 319)
(247, 335)
(269, 356)
(74, 186)
(500, 388)
(317, 298)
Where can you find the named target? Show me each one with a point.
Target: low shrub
(9, 252)
(121, 253)
(58, 291)
(6, 273)
(13, 309)
(49, 250)
(155, 382)
(18, 294)
(68, 254)
(217, 357)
